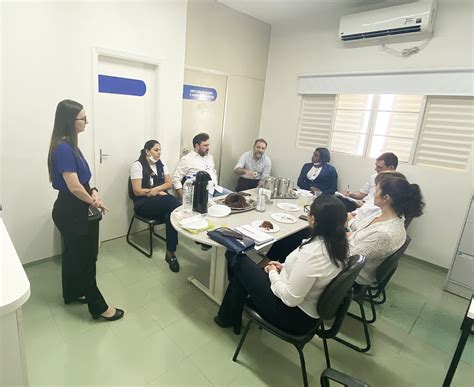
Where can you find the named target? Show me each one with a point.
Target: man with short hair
(252, 166)
(385, 162)
(198, 159)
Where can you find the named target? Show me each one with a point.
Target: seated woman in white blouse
(369, 208)
(382, 233)
(285, 294)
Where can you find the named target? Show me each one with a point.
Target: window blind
(447, 133)
(315, 121)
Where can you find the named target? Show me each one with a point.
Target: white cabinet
(461, 275)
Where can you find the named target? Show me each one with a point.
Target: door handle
(102, 155)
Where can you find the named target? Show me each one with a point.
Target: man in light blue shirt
(252, 166)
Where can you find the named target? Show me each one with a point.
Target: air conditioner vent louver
(375, 34)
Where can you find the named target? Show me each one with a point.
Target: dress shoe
(223, 324)
(172, 263)
(117, 316)
(77, 300)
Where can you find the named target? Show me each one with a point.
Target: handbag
(235, 245)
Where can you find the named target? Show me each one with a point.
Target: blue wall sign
(199, 93)
(119, 85)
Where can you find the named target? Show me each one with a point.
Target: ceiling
(277, 11)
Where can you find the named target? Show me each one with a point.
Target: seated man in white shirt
(252, 166)
(385, 162)
(198, 160)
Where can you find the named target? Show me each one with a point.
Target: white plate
(194, 223)
(288, 207)
(218, 211)
(283, 218)
(256, 224)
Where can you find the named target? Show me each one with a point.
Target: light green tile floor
(168, 338)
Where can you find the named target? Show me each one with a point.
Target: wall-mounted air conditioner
(413, 21)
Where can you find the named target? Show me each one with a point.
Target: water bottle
(188, 193)
(260, 201)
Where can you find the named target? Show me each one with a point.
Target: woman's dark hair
(64, 129)
(324, 155)
(406, 198)
(387, 175)
(142, 158)
(330, 215)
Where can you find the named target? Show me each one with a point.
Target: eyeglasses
(82, 119)
(306, 209)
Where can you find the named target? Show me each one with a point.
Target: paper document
(337, 193)
(258, 236)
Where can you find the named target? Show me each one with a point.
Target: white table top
(14, 284)
(248, 217)
(470, 312)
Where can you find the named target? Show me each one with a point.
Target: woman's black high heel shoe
(117, 316)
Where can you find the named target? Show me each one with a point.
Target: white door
(204, 98)
(125, 116)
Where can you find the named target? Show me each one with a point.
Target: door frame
(224, 119)
(157, 64)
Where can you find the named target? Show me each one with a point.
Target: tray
(233, 210)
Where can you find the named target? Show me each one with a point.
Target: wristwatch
(94, 189)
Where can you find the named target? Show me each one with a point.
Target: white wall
(47, 57)
(310, 45)
(221, 39)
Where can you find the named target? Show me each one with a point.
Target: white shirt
(192, 163)
(136, 171)
(313, 173)
(369, 188)
(367, 209)
(305, 274)
(376, 242)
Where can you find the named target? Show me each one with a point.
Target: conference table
(218, 265)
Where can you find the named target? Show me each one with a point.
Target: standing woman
(69, 173)
(319, 175)
(150, 181)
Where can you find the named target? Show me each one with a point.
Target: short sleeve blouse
(64, 159)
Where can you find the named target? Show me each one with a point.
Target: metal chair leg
(303, 365)
(372, 308)
(362, 319)
(158, 235)
(242, 339)
(135, 246)
(384, 298)
(326, 353)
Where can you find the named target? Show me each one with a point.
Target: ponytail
(407, 199)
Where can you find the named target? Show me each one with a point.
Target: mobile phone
(231, 233)
(304, 217)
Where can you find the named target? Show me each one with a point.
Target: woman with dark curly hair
(319, 175)
(381, 234)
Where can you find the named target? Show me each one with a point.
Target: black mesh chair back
(387, 268)
(332, 305)
(337, 289)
